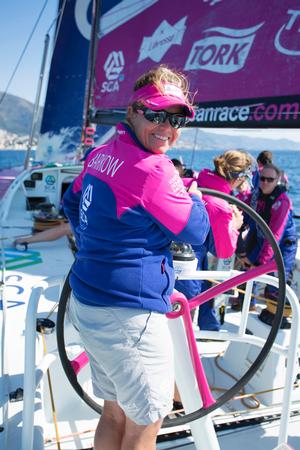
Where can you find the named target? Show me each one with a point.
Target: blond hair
(164, 74)
(232, 161)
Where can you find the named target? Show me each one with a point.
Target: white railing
(31, 372)
(8, 197)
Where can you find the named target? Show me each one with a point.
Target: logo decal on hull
(19, 291)
(15, 259)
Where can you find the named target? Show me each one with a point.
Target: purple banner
(263, 112)
(229, 49)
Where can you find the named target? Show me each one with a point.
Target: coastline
(15, 149)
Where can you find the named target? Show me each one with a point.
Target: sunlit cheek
(176, 134)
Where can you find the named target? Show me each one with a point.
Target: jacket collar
(209, 179)
(127, 135)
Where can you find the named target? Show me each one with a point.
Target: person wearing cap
(263, 158)
(232, 168)
(266, 157)
(125, 208)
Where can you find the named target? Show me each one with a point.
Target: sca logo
(113, 67)
(50, 180)
(85, 204)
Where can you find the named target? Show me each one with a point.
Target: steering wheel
(230, 393)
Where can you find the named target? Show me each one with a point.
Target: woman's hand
(246, 263)
(193, 189)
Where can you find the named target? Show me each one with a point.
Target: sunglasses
(267, 179)
(176, 120)
(237, 175)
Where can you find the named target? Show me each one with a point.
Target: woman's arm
(225, 221)
(181, 215)
(51, 234)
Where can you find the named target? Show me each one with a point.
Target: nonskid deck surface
(260, 436)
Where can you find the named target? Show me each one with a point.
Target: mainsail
(61, 128)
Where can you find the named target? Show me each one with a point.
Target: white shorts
(131, 358)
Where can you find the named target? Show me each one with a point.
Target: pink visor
(155, 99)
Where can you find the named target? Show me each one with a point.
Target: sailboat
(243, 389)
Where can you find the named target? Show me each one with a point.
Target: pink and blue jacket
(225, 236)
(125, 208)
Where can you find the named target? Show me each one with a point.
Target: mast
(37, 102)
(88, 131)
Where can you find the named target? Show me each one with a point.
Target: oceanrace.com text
(256, 112)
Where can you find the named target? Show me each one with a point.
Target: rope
(23, 52)
(266, 391)
(271, 304)
(68, 436)
(244, 395)
(52, 310)
(241, 291)
(194, 148)
(243, 411)
(51, 395)
(58, 16)
(4, 311)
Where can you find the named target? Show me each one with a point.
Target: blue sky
(17, 19)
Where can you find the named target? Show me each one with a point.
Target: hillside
(16, 115)
(200, 139)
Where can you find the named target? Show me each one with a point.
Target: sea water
(289, 161)
(9, 159)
